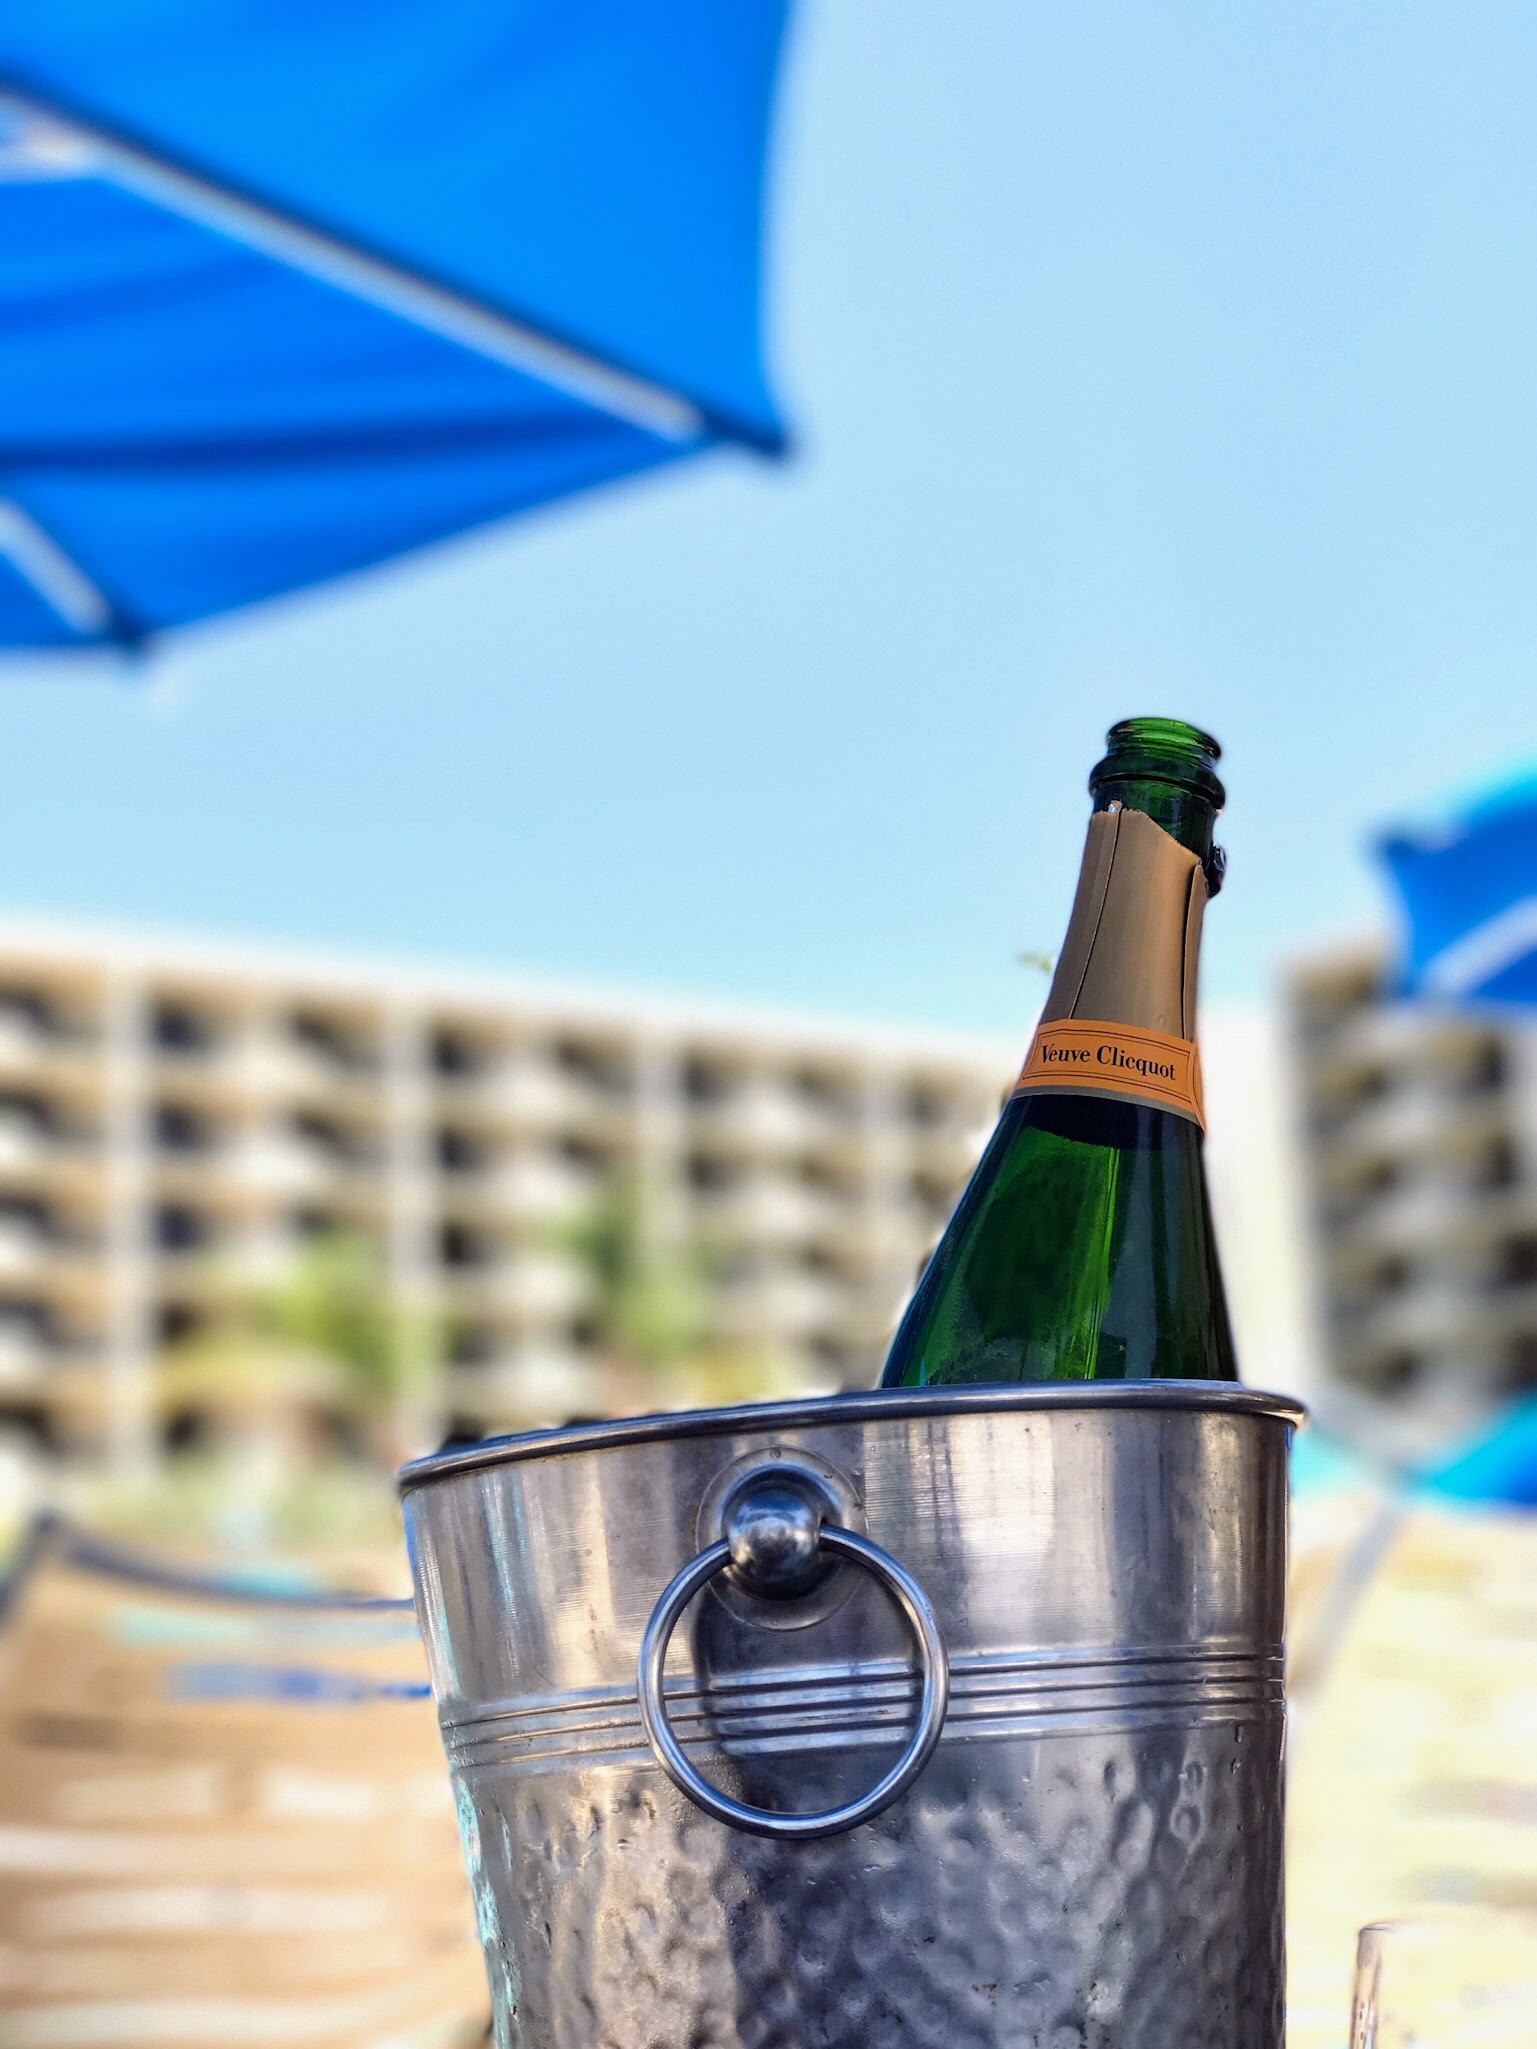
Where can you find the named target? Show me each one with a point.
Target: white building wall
(1254, 1172)
(1419, 1153)
(175, 1118)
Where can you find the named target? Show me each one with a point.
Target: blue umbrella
(1469, 887)
(285, 291)
(1498, 1464)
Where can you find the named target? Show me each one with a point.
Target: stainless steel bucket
(970, 1737)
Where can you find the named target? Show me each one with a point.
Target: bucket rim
(868, 1405)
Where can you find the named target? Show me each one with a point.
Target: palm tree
(321, 1343)
(651, 1301)
(335, 1302)
(648, 1291)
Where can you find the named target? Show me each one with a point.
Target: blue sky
(1176, 360)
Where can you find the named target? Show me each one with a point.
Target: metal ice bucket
(970, 1736)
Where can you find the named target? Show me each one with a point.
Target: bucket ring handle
(778, 1533)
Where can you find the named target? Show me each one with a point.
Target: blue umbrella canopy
(286, 291)
(1468, 884)
(1497, 1464)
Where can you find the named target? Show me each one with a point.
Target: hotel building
(176, 1119)
(1418, 1141)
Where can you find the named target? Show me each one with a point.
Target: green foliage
(649, 1296)
(335, 1300)
(652, 1304)
(325, 1332)
(206, 1497)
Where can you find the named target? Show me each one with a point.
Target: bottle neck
(1120, 1017)
(1189, 818)
(1133, 942)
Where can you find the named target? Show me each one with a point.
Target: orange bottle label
(1081, 1056)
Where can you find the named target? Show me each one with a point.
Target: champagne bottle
(1082, 1248)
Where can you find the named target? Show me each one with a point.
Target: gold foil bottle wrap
(1120, 1018)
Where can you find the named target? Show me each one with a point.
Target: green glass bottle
(1083, 1247)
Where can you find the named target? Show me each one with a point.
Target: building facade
(175, 1121)
(1418, 1140)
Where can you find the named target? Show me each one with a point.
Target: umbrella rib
(57, 577)
(56, 137)
(1477, 956)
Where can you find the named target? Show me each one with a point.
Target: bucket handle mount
(774, 1539)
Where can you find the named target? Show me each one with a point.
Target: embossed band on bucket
(989, 1696)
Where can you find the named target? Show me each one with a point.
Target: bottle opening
(1161, 750)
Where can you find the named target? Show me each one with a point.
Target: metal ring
(759, 1821)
